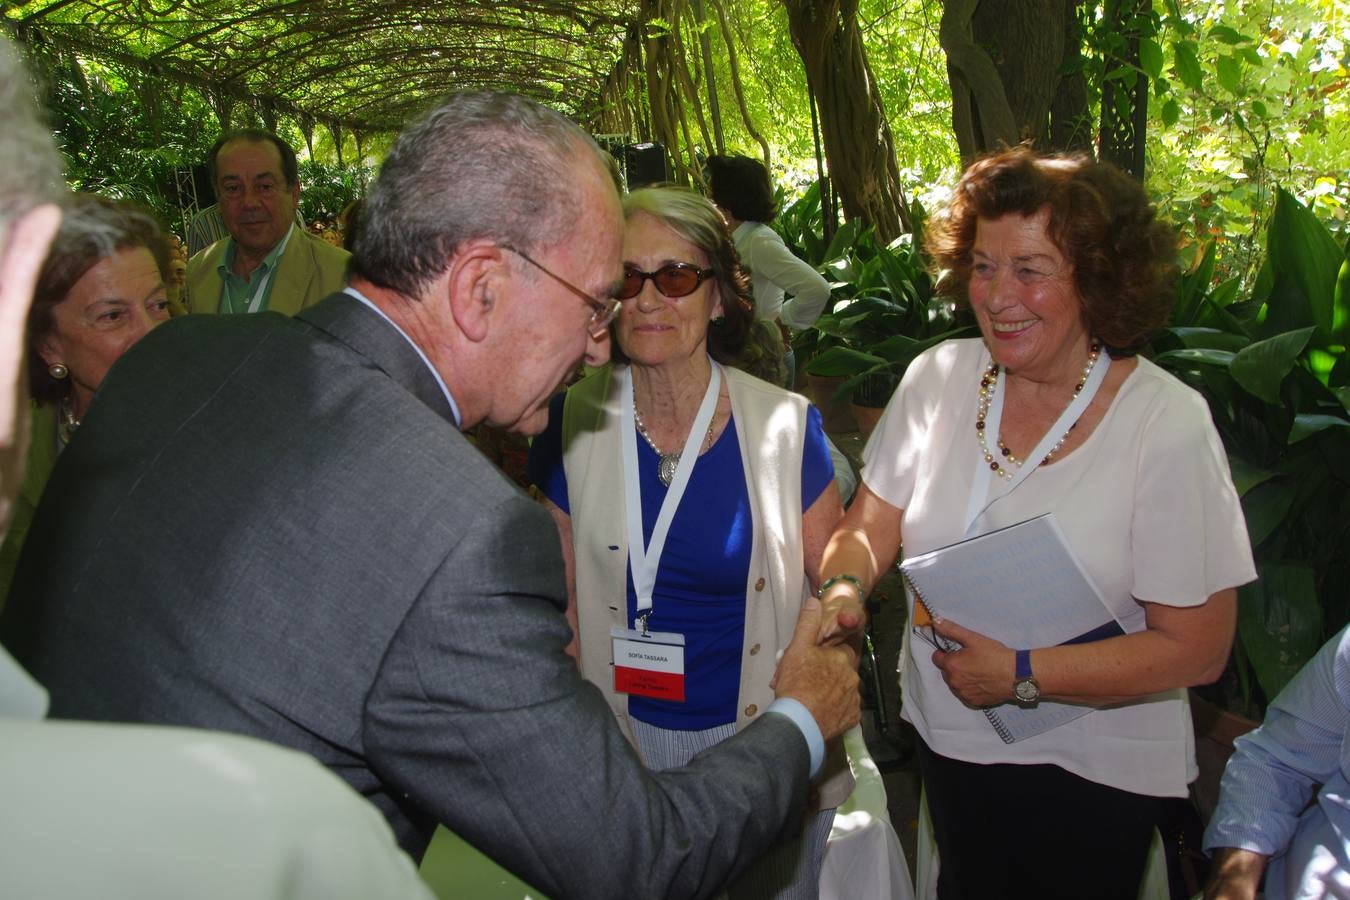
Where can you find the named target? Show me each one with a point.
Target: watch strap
(1023, 669)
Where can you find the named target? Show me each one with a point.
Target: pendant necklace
(669, 462)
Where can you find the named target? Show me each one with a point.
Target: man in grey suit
(356, 581)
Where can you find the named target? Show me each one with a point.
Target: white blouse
(1148, 507)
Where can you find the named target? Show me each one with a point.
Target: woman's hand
(981, 672)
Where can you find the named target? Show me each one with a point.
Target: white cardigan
(770, 430)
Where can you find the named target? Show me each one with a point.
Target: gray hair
(480, 165)
(694, 218)
(30, 169)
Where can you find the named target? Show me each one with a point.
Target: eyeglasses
(602, 311)
(673, 280)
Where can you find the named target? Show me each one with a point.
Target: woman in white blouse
(1067, 272)
(787, 290)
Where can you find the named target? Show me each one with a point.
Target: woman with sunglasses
(694, 503)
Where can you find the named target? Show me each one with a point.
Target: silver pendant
(666, 471)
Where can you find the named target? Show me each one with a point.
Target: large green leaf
(1308, 424)
(1265, 507)
(1245, 475)
(1209, 339)
(838, 361)
(1203, 355)
(1301, 249)
(1150, 57)
(1187, 64)
(1229, 71)
(1340, 298)
(1262, 366)
(1193, 286)
(1279, 622)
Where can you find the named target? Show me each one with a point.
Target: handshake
(819, 669)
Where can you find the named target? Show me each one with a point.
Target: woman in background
(740, 187)
(740, 472)
(101, 289)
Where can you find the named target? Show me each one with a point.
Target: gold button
(751, 709)
(759, 585)
(754, 650)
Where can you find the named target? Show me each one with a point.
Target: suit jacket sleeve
(482, 720)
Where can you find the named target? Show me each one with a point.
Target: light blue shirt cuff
(806, 724)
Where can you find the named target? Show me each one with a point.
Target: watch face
(1027, 691)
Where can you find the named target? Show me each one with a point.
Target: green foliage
(1279, 405)
(1247, 98)
(883, 313)
(327, 189)
(121, 137)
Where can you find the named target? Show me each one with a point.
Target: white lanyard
(645, 563)
(980, 483)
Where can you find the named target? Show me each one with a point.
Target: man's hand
(824, 679)
(981, 673)
(1235, 874)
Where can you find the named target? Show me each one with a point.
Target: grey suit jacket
(354, 580)
(309, 270)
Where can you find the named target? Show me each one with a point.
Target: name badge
(649, 665)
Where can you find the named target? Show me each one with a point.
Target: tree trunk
(1006, 65)
(856, 134)
(1125, 100)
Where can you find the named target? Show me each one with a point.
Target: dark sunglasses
(673, 280)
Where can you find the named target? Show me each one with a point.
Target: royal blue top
(700, 585)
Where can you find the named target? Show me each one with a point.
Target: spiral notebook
(1022, 586)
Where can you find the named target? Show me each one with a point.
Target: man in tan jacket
(266, 262)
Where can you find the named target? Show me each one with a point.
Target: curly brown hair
(1124, 258)
(694, 218)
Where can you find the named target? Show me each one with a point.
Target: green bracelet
(835, 579)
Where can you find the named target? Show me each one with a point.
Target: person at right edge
(1067, 271)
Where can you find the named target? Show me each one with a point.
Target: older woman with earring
(101, 289)
(693, 502)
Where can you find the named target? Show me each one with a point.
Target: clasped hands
(819, 668)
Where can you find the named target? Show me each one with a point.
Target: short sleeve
(1188, 535)
(890, 459)
(817, 466)
(545, 466)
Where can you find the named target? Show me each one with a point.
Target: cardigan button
(759, 585)
(754, 650)
(751, 709)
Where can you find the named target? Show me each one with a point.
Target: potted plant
(1272, 366)
(885, 314)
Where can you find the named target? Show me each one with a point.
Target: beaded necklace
(988, 381)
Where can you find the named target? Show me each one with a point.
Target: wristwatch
(1025, 688)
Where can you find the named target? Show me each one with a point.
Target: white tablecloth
(863, 859)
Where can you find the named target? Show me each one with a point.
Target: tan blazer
(309, 270)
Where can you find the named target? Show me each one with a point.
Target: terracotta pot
(1215, 730)
(866, 417)
(834, 414)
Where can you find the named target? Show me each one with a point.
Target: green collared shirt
(251, 294)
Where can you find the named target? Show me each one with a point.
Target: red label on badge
(647, 683)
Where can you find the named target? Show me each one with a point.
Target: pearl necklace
(988, 382)
(669, 462)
